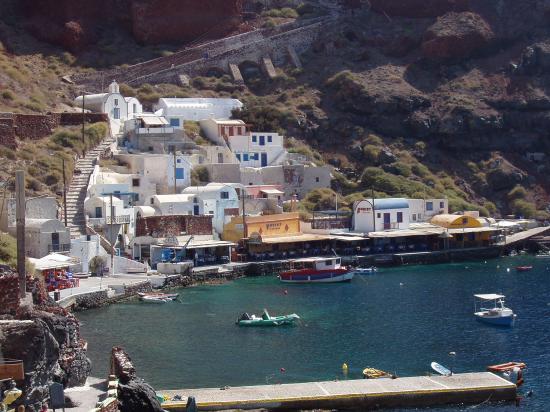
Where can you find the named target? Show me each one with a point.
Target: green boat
(266, 320)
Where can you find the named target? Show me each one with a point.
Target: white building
(219, 130)
(159, 170)
(178, 204)
(135, 108)
(388, 214)
(111, 103)
(44, 236)
(422, 210)
(219, 200)
(179, 110)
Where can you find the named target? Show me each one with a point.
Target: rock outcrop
(456, 36)
(73, 24)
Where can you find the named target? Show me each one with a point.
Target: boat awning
(489, 296)
(304, 237)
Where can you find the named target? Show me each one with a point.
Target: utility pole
(175, 188)
(20, 225)
(111, 272)
(373, 212)
(83, 123)
(245, 229)
(64, 192)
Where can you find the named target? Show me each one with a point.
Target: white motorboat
(154, 299)
(498, 314)
(366, 271)
(317, 270)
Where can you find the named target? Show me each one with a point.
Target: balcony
(60, 248)
(102, 221)
(155, 130)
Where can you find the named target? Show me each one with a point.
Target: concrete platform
(364, 393)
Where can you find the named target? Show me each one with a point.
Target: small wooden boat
(153, 299)
(505, 367)
(167, 296)
(498, 314)
(524, 268)
(372, 373)
(266, 320)
(317, 270)
(366, 271)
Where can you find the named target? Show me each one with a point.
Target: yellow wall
(283, 224)
(455, 221)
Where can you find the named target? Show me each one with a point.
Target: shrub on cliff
(523, 208)
(199, 176)
(320, 199)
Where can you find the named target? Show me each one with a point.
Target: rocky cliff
(47, 339)
(75, 23)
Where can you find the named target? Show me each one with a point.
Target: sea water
(399, 320)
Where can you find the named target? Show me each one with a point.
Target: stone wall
(9, 294)
(38, 126)
(167, 226)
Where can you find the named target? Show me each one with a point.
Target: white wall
(197, 108)
(184, 206)
(86, 250)
(422, 210)
(363, 218)
(249, 149)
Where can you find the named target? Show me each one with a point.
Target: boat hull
(273, 321)
(309, 276)
(497, 320)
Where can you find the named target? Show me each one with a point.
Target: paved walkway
(86, 396)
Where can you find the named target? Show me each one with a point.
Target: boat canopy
(489, 296)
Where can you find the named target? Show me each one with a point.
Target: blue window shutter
(245, 157)
(269, 139)
(239, 157)
(174, 122)
(254, 139)
(180, 173)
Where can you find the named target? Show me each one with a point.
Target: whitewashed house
(219, 200)
(252, 149)
(387, 214)
(422, 210)
(178, 204)
(111, 103)
(44, 236)
(179, 110)
(135, 108)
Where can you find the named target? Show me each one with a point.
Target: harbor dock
(420, 391)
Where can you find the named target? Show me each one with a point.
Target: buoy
(283, 370)
(507, 269)
(401, 284)
(498, 266)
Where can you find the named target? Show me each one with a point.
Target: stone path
(86, 396)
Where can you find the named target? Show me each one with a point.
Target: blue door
(196, 210)
(262, 140)
(264, 159)
(387, 221)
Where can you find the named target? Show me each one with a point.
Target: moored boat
(317, 270)
(512, 371)
(523, 268)
(266, 320)
(153, 299)
(366, 271)
(498, 314)
(160, 295)
(372, 373)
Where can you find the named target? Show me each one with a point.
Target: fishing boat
(366, 271)
(166, 296)
(154, 299)
(266, 320)
(523, 268)
(512, 371)
(543, 255)
(372, 373)
(498, 314)
(317, 270)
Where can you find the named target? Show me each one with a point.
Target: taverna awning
(54, 261)
(154, 121)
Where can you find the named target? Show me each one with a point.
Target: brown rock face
(418, 8)
(73, 23)
(456, 35)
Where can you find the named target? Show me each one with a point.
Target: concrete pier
(417, 391)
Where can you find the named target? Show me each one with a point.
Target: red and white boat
(317, 270)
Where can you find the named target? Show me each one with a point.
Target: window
(150, 148)
(116, 102)
(171, 148)
(180, 173)
(399, 217)
(441, 205)
(220, 157)
(152, 201)
(414, 217)
(134, 106)
(256, 156)
(238, 156)
(328, 262)
(464, 220)
(429, 206)
(136, 197)
(269, 139)
(378, 215)
(317, 179)
(254, 139)
(211, 212)
(98, 212)
(175, 122)
(135, 182)
(224, 195)
(178, 161)
(195, 200)
(116, 113)
(245, 157)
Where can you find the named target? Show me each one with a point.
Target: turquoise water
(400, 320)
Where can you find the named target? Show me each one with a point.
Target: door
(262, 140)
(98, 212)
(264, 159)
(220, 157)
(196, 210)
(387, 221)
(116, 113)
(55, 242)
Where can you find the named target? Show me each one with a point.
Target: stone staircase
(76, 193)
